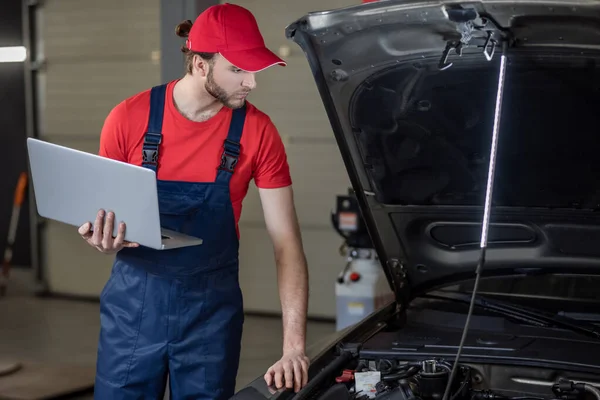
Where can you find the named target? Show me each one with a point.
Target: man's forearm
(292, 277)
(292, 272)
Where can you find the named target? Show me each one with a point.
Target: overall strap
(231, 146)
(153, 135)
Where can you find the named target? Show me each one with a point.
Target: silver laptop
(70, 186)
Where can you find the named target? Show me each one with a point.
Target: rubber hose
(324, 374)
(592, 390)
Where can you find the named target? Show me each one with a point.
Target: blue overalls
(179, 311)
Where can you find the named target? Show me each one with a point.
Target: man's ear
(200, 66)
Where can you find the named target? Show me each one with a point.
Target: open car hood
(415, 132)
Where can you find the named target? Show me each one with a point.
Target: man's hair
(183, 30)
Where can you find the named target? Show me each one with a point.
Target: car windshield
(426, 133)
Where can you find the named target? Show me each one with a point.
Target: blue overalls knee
(176, 312)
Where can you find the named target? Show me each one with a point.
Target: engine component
(432, 380)
(366, 382)
(392, 394)
(392, 379)
(569, 390)
(347, 376)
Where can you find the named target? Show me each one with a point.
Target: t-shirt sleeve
(113, 134)
(271, 170)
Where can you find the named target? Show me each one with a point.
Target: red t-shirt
(191, 151)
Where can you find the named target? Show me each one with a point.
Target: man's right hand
(101, 237)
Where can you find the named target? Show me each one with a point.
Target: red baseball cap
(232, 31)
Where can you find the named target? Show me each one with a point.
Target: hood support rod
(487, 210)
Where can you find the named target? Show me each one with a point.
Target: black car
(471, 135)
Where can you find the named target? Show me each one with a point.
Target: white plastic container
(364, 289)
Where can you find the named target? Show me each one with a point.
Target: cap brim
(253, 60)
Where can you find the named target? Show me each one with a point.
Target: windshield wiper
(534, 316)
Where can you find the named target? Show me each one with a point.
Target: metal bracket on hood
(489, 42)
(468, 25)
(466, 31)
(398, 278)
(450, 45)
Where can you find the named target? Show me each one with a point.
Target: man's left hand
(291, 371)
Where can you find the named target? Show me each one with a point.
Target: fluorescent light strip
(13, 54)
(493, 151)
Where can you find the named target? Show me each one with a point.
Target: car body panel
(377, 68)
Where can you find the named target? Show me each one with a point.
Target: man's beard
(220, 94)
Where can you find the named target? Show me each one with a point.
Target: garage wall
(290, 97)
(98, 53)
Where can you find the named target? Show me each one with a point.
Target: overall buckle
(150, 156)
(228, 162)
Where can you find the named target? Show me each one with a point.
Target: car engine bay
(389, 379)
(503, 359)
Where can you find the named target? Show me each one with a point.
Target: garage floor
(50, 330)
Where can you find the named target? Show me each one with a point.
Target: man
(180, 311)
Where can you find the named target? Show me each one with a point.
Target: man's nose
(249, 81)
